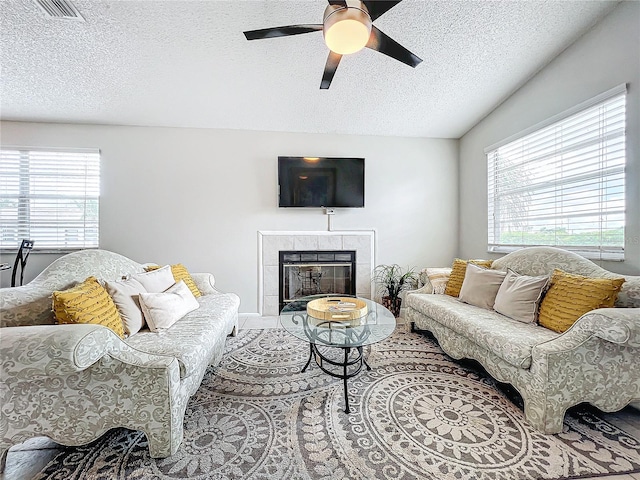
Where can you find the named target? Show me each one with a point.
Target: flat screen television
(321, 182)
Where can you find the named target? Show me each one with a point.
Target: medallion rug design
(415, 415)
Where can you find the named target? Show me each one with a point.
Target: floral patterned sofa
(72, 383)
(595, 361)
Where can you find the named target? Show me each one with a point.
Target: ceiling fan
(347, 27)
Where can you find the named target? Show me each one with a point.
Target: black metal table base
(355, 364)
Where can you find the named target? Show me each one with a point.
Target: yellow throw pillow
(571, 296)
(458, 270)
(180, 272)
(87, 302)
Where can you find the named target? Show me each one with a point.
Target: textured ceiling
(187, 64)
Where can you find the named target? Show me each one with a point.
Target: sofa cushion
(156, 281)
(438, 278)
(458, 270)
(193, 339)
(125, 295)
(162, 310)
(571, 296)
(87, 302)
(520, 295)
(480, 286)
(509, 339)
(180, 272)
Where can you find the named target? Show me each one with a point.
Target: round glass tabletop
(374, 326)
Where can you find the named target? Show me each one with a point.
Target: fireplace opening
(304, 273)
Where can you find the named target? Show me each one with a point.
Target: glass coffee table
(330, 323)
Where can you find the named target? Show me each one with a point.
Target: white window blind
(49, 196)
(563, 184)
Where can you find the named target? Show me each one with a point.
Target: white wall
(199, 196)
(607, 56)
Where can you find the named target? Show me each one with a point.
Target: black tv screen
(321, 182)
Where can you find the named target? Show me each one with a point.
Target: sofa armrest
(59, 350)
(616, 325)
(205, 283)
(426, 288)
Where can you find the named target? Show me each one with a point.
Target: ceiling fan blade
(333, 60)
(383, 43)
(342, 3)
(379, 7)
(282, 31)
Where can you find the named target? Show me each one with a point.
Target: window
(49, 196)
(562, 183)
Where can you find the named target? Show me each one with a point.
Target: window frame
(24, 196)
(599, 252)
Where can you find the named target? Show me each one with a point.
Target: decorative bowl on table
(337, 308)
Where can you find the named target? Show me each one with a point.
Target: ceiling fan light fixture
(346, 30)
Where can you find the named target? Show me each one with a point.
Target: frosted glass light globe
(346, 29)
(347, 36)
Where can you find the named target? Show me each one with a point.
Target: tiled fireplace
(307, 248)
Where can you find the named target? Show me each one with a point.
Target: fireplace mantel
(270, 243)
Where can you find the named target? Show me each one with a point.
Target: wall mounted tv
(321, 182)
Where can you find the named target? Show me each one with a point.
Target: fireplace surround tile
(271, 303)
(271, 280)
(361, 245)
(304, 242)
(330, 242)
(270, 243)
(363, 280)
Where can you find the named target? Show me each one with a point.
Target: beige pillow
(162, 310)
(156, 281)
(438, 278)
(519, 296)
(125, 295)
(480, 286)
(458, 271)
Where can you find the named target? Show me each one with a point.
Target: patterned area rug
(415, 415)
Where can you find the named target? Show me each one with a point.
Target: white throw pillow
(156, 281)
(162, 310)
(125, 295)
(438, 277)
(480, 286)
(519, 296)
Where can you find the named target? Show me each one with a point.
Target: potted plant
(390, 281)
